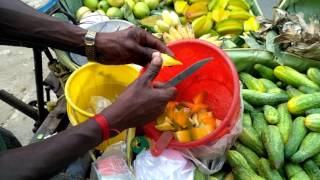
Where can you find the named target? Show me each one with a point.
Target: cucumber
(293, 77)
(296, 136)
(316, 159)
(265, 72)
(309, 147)
(248, 107)
(246, 120)
(258, 122)
(267, 83)
(313, 111)
(236, 160)
(244, 174)
(292, 92)
(285, 122)
(301, 175)
(314, 75)
(271, 114)
(218, 175)
(249, 137)
(312, 122)
(294, 170)
(272, 141)
(266, 171)
(312, 169)
(299, 104)
(258, 98)
(249, 155)
(276, 90)
(307, 89)
(251, 82)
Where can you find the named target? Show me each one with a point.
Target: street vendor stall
(251, 113)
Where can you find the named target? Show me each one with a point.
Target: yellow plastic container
(94, 79)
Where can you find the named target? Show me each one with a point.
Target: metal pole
(18, 104)
(37, 53)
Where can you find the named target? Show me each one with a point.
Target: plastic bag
(211, 157)
(98, 104)
(112, 164)
(170, 165)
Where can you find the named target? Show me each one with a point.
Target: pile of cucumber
(281, 126)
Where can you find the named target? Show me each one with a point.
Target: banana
(175, 18)
(190, 31)
(183, 31)
(205, 36)
(173, 32)
(157, 29)
(164, 27)
(167, 38)
(166, 17)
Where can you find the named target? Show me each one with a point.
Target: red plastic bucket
(219, 78)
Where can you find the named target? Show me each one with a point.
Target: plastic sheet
(112, 164)
(170, 165)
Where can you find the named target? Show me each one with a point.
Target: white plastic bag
(170, 165)
(112, 164)
(98, 104)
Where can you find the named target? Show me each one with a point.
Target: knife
(187, 72)
(165, 138)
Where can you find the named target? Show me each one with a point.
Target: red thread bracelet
(104, 125)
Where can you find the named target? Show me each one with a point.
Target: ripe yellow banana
(190, 31)
(173, 32)
(167, 38)
(164, 27)
(183, 31)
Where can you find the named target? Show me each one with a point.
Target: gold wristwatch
(90, 49)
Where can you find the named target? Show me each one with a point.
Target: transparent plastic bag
(98, 103)
(112, 164)
(210, 158)
(170, 165)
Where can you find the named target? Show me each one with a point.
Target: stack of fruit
(281, 126)
(189, 120)
(115, 9)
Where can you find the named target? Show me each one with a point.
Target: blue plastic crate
(45, 8)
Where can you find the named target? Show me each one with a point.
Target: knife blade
(187, 72)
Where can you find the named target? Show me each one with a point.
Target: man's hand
(142, 101)
(133, 45)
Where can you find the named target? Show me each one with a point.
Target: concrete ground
(17, 77)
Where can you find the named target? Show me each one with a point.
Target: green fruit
(249, 137)
(115, 12)
(258, 98)
(152, 4)
(271, 114)
(252, 83)
(258, 122)
(251, 157)
(103, 5)
(82, 11)
(312, 169)
(272, 141)
(141, 10)
(131, 3)
(285, 122)
(116, 3)
(296, 136)
(266, 171)
(91, 4)
(309, 147)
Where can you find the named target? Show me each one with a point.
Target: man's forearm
(44, 159)
(23, 24)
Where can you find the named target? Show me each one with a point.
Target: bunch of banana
(212, 39)
(168, 19)
(178, 33)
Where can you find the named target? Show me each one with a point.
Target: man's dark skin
(140, 102)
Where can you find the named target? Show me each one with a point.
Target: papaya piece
(165, 126)
(181, 118)
(183, 136)
(198, 132)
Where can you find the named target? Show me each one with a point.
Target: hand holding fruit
(133, 45)
(141, 101)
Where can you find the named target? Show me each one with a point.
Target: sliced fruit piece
(183, 136)
(165, 127)
(169, 61)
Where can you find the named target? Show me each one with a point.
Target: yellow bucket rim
(67, 95)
